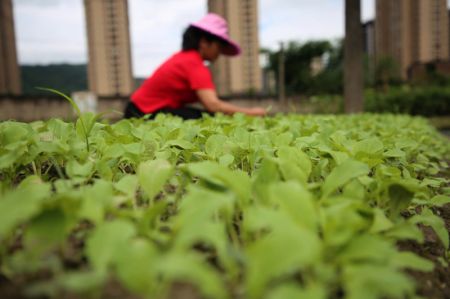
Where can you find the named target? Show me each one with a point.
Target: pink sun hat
(216, 25)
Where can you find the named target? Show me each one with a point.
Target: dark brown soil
(436, 284)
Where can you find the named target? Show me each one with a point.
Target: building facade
(10, 81)
(241, 74)
(109, 66)
(412, 32)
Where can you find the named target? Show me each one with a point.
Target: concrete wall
(31, 108)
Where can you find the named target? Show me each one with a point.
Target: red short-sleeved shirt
(174, 83)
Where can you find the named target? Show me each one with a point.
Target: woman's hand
(209, 99)
(256, 111)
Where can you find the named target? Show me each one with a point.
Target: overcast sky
(53, 31)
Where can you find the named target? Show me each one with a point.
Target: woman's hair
(192, 36)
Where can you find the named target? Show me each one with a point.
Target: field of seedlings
(290, 206)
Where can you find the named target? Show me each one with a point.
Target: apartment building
(412, 32)
(109, 65)
(241, 74)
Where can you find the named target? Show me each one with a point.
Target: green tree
(387, 71)
(330, 80)
(298, 58)
(66, 78)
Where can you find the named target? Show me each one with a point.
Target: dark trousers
(184, 112)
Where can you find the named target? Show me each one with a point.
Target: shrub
(426, 101)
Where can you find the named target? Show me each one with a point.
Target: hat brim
(231, 47)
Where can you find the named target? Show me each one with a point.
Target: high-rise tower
(9, 68)
(412, 31)
(241, 74)
(109, 67)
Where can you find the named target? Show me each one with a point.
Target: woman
(185, 79)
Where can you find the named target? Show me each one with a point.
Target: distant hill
(66, 78)
(63, 77)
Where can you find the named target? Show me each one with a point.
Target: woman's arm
(209, 99)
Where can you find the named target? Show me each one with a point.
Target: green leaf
(440, 200)
(182, 144)
(114, 151)
(354, 189)
(400, 197)
(297, 202)
(338, 157)
(45, 231)
(214, 145)
(84, 124)
(133, 148)
(297, 157)
(196, 220)
(92, 209)
(7, 160)
(22, 204)
(226, 160)
(149, 217)
(106, 243)
(153, 175)
(371, 281)
(193, 269)
(279, 254)
(136, 266)
(208, 233)
(214, 173)
(366, 248)
(242, 138)
(127, 185)
(13, 132)
(428, 218)
(394, 153)
(283, 139)
(412, 261)
(380, 222)
(96, 199)
(264, 176)
(81, 282)
(75, 169)
(292, 290)
(291, 171)
(69, 99)
(342, 220)
(405, 231)
(368, 146)
(434, 183)
(342, 174)
(287, 249)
